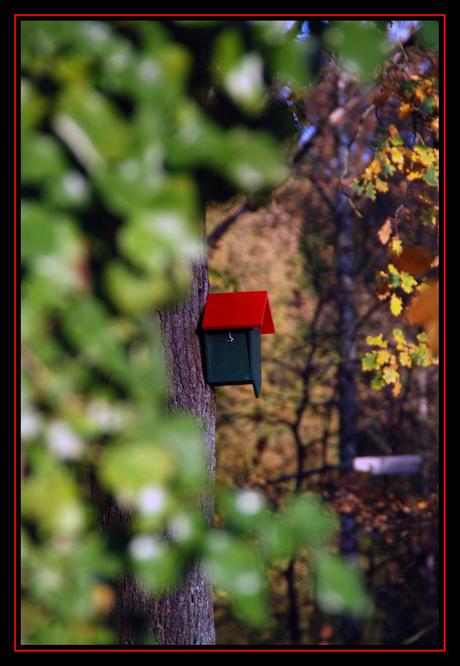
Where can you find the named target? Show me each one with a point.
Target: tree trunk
(347, 403)
(185, 616)
(346, 274)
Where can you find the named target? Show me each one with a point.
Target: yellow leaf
(396, 155)
(373, 168)
(405, 358)
(384, 232)
(383, 356)
(381, 185)
(390, 375)
(405, 111)
(397, 387)
(395, 305)
(407, 282)
(399, 338)
(378, 340)
(395, 247)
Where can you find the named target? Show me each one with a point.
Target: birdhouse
(232, 325)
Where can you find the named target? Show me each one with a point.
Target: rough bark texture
(348, 397)
(347, 404)
(188, 391)
(185, 616)
(346, 274)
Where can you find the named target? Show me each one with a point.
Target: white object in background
(387, 464)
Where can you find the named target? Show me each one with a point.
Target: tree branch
(249, 205)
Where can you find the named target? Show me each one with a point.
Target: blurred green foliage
(361, 45)
(126, 128)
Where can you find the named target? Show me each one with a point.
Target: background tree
(302, 427)
(127, 129)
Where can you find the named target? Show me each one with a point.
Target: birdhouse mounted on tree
(232, 325)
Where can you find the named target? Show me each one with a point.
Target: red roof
(245, 309)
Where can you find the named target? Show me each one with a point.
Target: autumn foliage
(289, 248)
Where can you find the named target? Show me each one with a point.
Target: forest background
(92, 364)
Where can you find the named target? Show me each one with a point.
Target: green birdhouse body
(232, 326)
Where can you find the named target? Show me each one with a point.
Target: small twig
(419, 634)
(308, 472)
(221, 228)
(352, 140)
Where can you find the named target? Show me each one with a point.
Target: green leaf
(157, 563)
(91, 127)
(41, 158)
(377, 382)
(381, 185)
(421, 356)
(56, 257)
(89, 326)
(237, 570)
(369, 361)
(133, 293)
(388, 169)
(241, 73)
(196, 140)
(165, 450)
(430, 176)
(72, 578)
(153, 239)
(291, 62)
(396, 140)
(407, 282)
(255, 160)
(394, 279)
(55, 507)
(429, 105)
(399, 338)
(310, 519)
(429, 33)
(37, 230)
(33, 106)
(361, 45)
(244, 510)
(128, 467)
(370, 191)
(276, 537)
(181, 435)
(339, 587)
(357, 186)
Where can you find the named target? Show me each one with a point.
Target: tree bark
(351, 628)
(347, 404)
(346, 274)
(185, 616)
